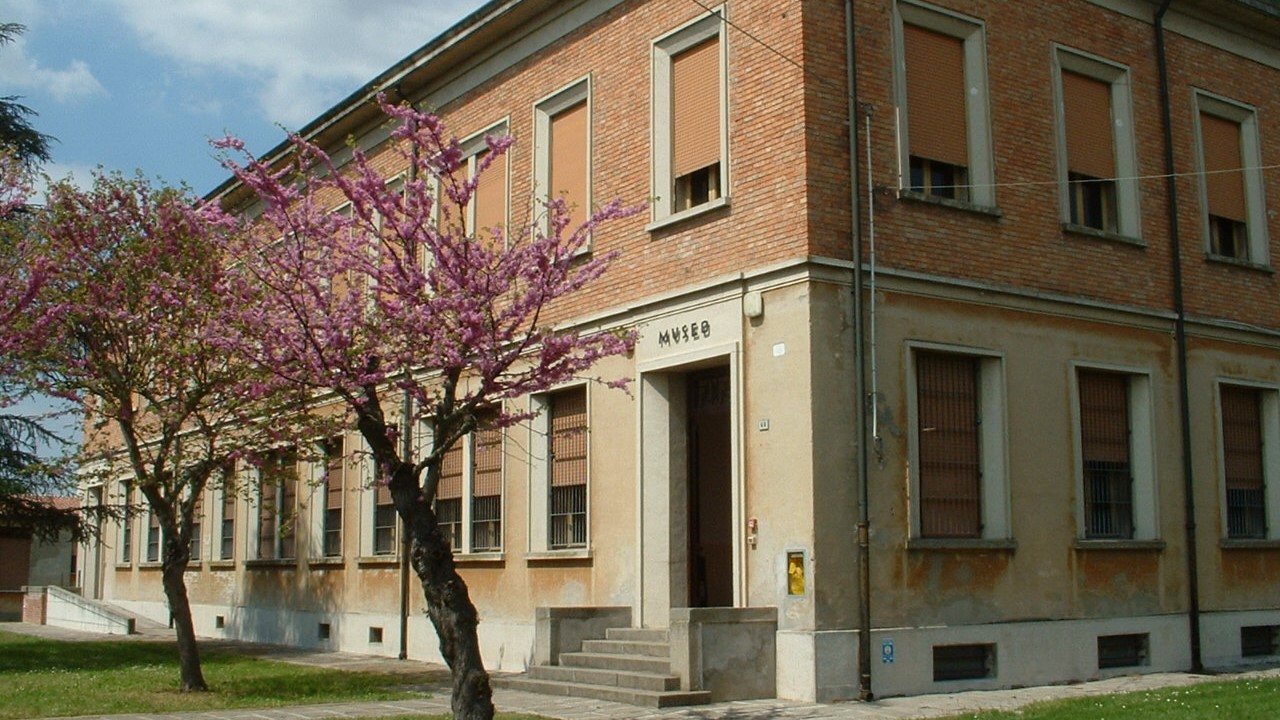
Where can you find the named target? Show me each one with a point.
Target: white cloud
(299, 57)
(24, 74)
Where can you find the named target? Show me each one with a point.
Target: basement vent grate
(963, 662)
(1119, 651)
(1259, 640)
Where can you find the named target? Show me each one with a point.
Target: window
(333, 492)
(153, 538)
(1120, 651)
(1259, 640)
(384, 521)
(227, 525)
(1104, 450)
(1231, 182)
(567, 457)
(469, 498)
(126, 524)
(1250, 419)
(689, 117)
(945, 145)
(449, 495)
(197, 513)
(277, 505)
(488, 207)
(958, 407)
(1116, 476)
(1096, 147)
(963, 662)
(562, 158)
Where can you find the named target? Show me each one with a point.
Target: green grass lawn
(47, 678)
(1250, 699)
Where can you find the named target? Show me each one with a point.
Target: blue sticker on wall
(886, 652)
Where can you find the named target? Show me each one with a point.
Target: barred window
(333, 494)
(449, 496)
(1242, 462)
(486, 487)
(228, 529)
(948, 406)
(567, 455)
(1105, 432)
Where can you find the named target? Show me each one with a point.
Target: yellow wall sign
(795, 573)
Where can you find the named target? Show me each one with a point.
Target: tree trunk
(448, 602)
(175, 590)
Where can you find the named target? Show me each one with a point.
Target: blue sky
(143, 84)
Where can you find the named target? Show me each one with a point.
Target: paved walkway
(904, 708)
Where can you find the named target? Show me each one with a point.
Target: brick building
(1035, 282)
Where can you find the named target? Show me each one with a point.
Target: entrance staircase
(630, 665)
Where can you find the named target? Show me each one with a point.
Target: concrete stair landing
(629, 665)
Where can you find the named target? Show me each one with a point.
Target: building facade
(986, 284)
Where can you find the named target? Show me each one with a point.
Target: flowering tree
(124, 323)
(393, 301)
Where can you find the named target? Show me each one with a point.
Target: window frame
(466, 446)
(1246, 117)
(281, 511)
(125, 536)
(994, 488)
(225, 553)
(472, 147)
(662, 180)
(540, 472)
(1128, 223)
(544, 111)
(978, 138)
(1269, 410)
(1142, 454)
(320, 530)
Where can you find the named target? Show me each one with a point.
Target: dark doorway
(710, 490)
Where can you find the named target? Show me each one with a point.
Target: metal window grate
(449, 519)
(1242, 462)
(1119, 651)
(486, 523)
(950, 467)
(1259, 640)
(567, 527)
(963, 662)
(1104, 447)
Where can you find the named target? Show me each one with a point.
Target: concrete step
(622, 663)
(630, 696)
(628, 647)
(612, 678)
(637, 635)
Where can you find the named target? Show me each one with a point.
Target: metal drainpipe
(406, 450)
(1180, 332)
(859, 380)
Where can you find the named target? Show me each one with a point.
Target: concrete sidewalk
(920, 706)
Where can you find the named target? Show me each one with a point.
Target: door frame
(661, 571)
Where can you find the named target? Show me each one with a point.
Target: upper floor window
(1098, 164)
(689, 119)
(227, 524)
(945, 138)
(562, 155)
(331, 521)
(489, 204)
(1234, 223)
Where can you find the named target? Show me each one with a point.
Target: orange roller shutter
(491, 196)
(696, 107)
(1090, 141)
(569, 161)
(1221, 141)
(935, 95)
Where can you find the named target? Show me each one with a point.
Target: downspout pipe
(863, 561)
(1180, 333)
